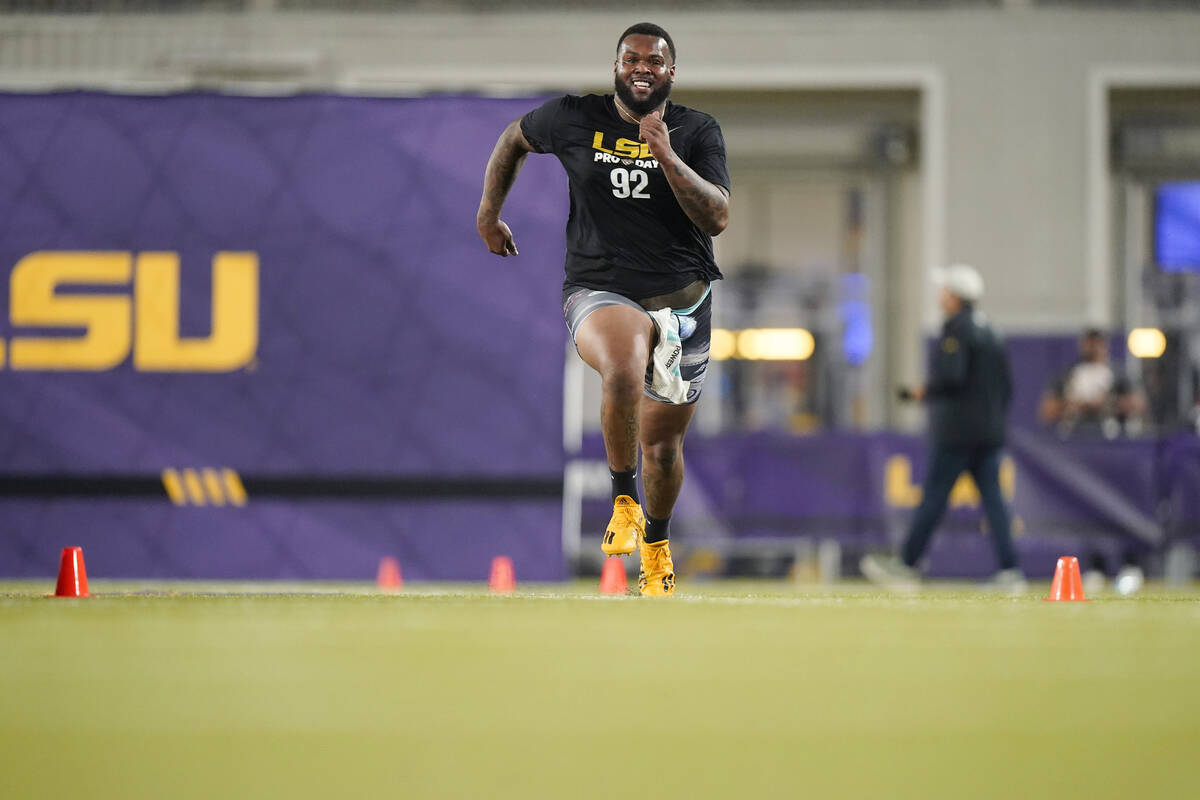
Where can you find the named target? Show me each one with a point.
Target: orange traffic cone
(389, 579)
(612, 577)
(72, 577)
(1067, 584)
(502, 580)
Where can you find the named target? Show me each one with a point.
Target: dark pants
(946, 463)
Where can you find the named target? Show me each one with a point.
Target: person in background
(1090, 397)
(968, 394)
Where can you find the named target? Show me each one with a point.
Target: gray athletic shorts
(695, 331)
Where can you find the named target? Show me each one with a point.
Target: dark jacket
(970, 384)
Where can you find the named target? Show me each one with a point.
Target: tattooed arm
(502, 168)
(705, 203)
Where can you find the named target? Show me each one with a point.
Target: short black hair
(648, 29)
(1094, 333)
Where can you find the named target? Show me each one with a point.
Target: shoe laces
(657, 559)
(626, 513)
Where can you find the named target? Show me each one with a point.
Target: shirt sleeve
(538, 125)
(708, 155)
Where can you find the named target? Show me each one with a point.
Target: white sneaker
(1129, 580)
(1094, 581)
(890, 572)
(1010, 581)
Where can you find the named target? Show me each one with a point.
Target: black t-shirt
(626, 232)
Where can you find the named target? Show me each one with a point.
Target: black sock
(657, 530)
(624, 483)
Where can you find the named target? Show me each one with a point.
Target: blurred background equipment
(867, 142)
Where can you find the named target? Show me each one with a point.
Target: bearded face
(644, 73)
(655, 97)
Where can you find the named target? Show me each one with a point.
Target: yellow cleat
(657, 578)
(625, 529)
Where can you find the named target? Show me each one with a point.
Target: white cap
(961, 280)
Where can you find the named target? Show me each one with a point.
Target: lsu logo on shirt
(630, 154)
(624, 148)
(49, 290)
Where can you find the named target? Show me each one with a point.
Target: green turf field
(727, 690)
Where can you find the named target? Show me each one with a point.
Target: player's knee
(662, 455)
(624, 380)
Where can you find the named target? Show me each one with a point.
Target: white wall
(1013, 141)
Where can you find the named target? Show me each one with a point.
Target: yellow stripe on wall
(195, 489)
(174, 487)
(212, 484)
(233, 484)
